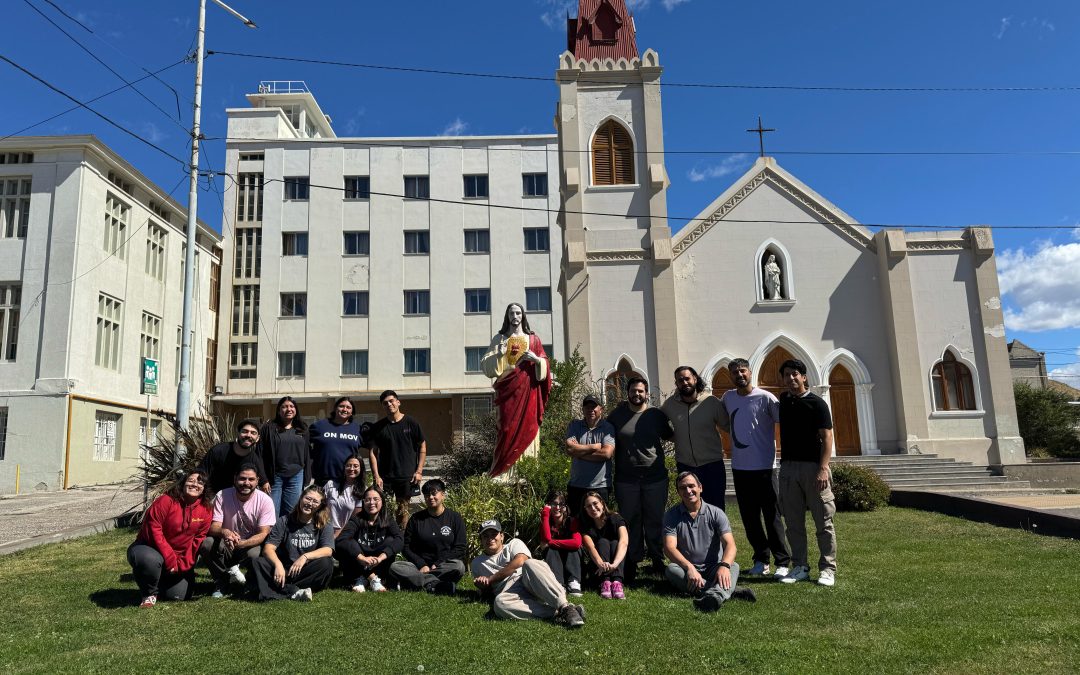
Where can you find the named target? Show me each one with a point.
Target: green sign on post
(149, 376)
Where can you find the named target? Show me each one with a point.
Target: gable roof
(1018, 349)
(766, 170)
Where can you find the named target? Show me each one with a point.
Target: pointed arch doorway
(768, 378)
(721, 382)
(844, 410)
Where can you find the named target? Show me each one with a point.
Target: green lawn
(915, 592)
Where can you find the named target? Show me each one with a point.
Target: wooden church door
(722, 382)
(844, 412)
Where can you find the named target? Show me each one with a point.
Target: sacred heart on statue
(516, 346)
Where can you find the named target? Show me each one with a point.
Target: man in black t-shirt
(224, 459)
(398, 451)
(641, 479)
(805, 478)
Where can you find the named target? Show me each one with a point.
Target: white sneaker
(573, 589)
(236, 575)
(827, 578)
(759, 569)
(302, 595)
(798, 573)
(377, 585)
(781, 572)
(358, 586)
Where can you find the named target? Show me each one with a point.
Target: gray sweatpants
(535, 595)
(410, 578)
(676, 576)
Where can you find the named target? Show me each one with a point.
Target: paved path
(1063, 504)
(40, 513)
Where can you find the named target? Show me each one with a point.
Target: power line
(699, 85)
(96, 98)
(107, 66)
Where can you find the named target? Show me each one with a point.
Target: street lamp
(183, 389)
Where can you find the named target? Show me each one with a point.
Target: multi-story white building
(91, 282)
(365, 264)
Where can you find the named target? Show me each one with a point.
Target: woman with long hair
(343, 494)
(334, 440)
(162, 558)
(605, 541)
(285, 455)
(369, 543)
(296, 558)
(560, 534)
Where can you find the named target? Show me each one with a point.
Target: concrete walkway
(25, 517)
(1063, 504)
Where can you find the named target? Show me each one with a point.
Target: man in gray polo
(590, 442)
(701, 548)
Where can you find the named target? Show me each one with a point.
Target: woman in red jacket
(559, 533)
(163, 556)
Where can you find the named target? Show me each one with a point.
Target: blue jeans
(286, 492)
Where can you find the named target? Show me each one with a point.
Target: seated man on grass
(520, 587)
(699, 544)
(434, 546)
(243, 516)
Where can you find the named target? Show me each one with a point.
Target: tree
(1047, 420)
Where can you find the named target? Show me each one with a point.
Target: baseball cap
(490, 524)
(589, 398)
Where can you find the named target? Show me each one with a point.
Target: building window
(150, 337)
(538, 299)
(118, 180)
(215, 286)
(417, 187)
(249, 198)
(107, 352)
(294, 304)
(354, 303)
(16, 158)
(417, 361)
(243, 360)
(290, 364)
(354, 362)
(248, 256)
(245, 316)
(251, 157)
(160, 211)
(297, 187)
(14, 207)
(477, 241)
(357, 187)
(116, 222)
(536, 239)
(612, 155)
(10, 298)
(953, 388)
(534, 184)
(476, 187)
(417, 302)
(473, 357)
(477, 301)
(3, 432)
(150, 439)
(179, 342)
(417, 242)
(474, 411)
(106, 437)
(357, 243)
(211, 366)
(294, 243)
(549, 350)
(155, 252)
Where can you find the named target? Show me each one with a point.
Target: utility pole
(183, 389)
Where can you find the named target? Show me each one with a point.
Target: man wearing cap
(434, 546)
(520, 587)
(590, 442)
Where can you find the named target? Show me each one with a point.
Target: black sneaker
(707, 603)
(743, 593)
(445, 588)
(580, 610)
(568, 615)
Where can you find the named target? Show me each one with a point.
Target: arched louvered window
(613, 155)
(953, 388)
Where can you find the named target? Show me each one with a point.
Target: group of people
(281, 510)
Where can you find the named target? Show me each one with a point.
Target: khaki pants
(798, 492)
(535, 595)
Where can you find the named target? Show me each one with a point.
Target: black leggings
(148, 568)
(608, 549)
(315, 574)
(351, 568)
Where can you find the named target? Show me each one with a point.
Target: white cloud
(455, 128)
(670, 5)
(554, 16)
(1069, 374)
(152, 132)
(634, 5)
(1041, 286)
(1037, 24)
(731, 164)
(1005, 21)
(352, 125)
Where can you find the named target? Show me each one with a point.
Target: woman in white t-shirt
(344, 494)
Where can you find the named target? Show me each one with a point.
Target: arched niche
(782, 260)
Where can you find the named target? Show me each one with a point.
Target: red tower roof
(603, 29)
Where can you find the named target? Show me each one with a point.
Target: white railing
(283, 87)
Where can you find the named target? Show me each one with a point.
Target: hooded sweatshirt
(175, 530)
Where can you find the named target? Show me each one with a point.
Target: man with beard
(754, 415)
(223, 460)
(243, 516)
(641, 479)
(698, 419)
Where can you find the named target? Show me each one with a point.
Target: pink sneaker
(605, 589)
(617, 590)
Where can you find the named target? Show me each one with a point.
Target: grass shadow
(115, 598)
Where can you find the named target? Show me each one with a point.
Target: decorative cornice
(567, 62)
(617, 256)
(754, 183)
(937, 245)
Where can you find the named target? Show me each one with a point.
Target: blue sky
(845, 43)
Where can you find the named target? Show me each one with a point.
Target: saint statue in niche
(771, 275)
(517, 361)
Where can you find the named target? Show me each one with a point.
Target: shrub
(1047, 421)
(857, 488)
(549, 470)
(515, 504)
(470, 453)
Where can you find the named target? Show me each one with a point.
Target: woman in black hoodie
(368, 543)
